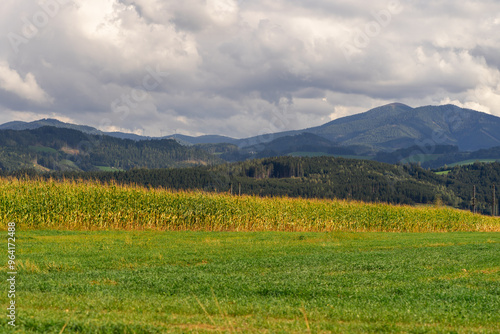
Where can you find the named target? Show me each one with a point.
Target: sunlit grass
(257, 282)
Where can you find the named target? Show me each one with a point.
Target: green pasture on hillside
(108, 169)
(472, 161)
(44, 149)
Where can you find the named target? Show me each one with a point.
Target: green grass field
(97, 258)
(310, 154)
(265, 282)
(108, 169)
(420, 158)
(472, 161)
(44, 149)
(324, 154)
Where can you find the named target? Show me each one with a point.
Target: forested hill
(53, 149)
(321, 177)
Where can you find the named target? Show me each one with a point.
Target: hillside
(303, 142)
(51, 148)
(207, 139)
(441, 156)
(389, 128)
(18, 125)
(396, 126)
(386, 129)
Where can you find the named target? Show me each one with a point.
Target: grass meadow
(97, 258)
(257, 282)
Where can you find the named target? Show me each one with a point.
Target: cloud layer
(241, 68)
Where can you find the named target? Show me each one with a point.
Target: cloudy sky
(241, 67)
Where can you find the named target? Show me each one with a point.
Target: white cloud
(26, 88)
(223, 12)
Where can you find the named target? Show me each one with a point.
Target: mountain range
(396, 126)
(431, 135)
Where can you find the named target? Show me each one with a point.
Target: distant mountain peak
(397, 105)
(50, 120)
(396, 125)
(53, 121)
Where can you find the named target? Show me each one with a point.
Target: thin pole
(474, 201)
(239, 189)
(494, 209)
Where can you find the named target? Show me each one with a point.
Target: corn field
(86, 205)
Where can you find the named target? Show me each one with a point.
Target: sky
(241, 68)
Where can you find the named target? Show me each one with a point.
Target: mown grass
(91, 206)
(266, 282)
(309, 154)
